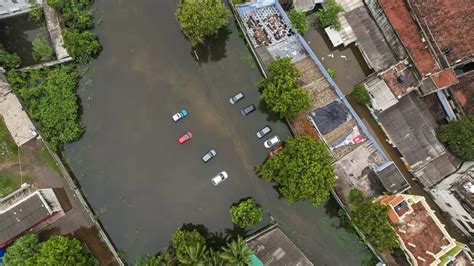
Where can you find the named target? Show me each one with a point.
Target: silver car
(264, 131)
(219, 178)
(239, 96)
(209, 155)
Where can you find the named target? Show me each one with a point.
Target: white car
(180, 115)
(271, 142)
(219, 178)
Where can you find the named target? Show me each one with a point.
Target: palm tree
(237, 253)
(195, 254)
(214, 258)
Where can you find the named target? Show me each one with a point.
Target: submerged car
(209, 155)
(234, 99)
(271, 142)
(187, 136)
(219, 178)
(180, 115)
(264, 131)
(247, 110)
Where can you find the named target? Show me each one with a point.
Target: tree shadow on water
(214, 47)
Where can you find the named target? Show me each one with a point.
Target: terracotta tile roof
(444, 78)
(407, 29)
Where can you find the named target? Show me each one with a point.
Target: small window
(449, 205)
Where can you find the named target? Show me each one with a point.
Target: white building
(455, 195)
(10, 8)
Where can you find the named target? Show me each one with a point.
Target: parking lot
(143, 184)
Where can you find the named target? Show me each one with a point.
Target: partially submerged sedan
(219, 178)
(180, 115)
(187, 136)
(209, 155)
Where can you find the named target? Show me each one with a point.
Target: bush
(328, 16)
(299, 21)
(361, 95)
(41, 50)
(22, 251)
(36, 14)
(246, 214)
(459, 137)
(82, 46)
(303, 170)
(199, 19)
(61, 250)
(331, 72)
(371, 218)
(183, 239)
(9, 60)
(281, 91)
(50, 99)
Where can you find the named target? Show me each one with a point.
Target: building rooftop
(400, 78)
(444, 78)
(450, 24)
(374, 46)
(421, 233)
(434, 171)
(273, 247)
(464, 92)
(23, 215)
(392, 179)
(382, 97)
(399, 16)
(411, 128)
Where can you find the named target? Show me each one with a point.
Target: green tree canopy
(281, 92)
(199, 19)
(303, 170)
(299, 21)
(61, 250)
(82, 46)
(361, 95)
(9, 60)
(41, 50)
(50, 99)
(459, 137)
(246, 214)
(371, 219)
(22, 251)
(195, 254)
(237, 253)
(183, 239)
(328, 15)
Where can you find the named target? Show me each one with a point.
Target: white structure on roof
(17, 121)
(9, 8)
(455, 195)
(306, 5)
(382, 96)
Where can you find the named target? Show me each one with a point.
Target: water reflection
(214, 48)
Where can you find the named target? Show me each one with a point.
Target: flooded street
(141, 183)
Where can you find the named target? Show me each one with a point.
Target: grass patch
(48, 160)
(8, 148)
(10, 182)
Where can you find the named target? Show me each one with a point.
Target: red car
(272, 152)
(185, 137)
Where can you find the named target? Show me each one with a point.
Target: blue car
(180, 115)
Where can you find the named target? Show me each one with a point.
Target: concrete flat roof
(273, 247)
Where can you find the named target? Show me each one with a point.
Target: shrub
(459, 137)
(9, 60)
(199, 19)
(82, 46)
(299, 21)
(331, 72)
(183, 239)
(361, 95)
(328, 16)
(41, 50)
(246, 214)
